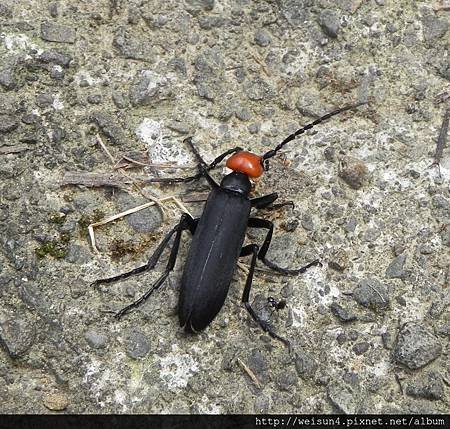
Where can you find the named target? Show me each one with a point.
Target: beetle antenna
(323, 118)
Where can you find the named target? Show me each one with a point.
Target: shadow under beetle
(218, 236)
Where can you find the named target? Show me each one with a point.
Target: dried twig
(94, 180)
(442, 97)
(5, 150)
(105, 149)
(442, 139)
(250, 373)
(130, 211)
(442, 6)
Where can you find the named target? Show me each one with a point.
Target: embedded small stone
(56, 401)
(354, 172)
(416, 346)
(372, 294)
(395, 269)
(57, 33)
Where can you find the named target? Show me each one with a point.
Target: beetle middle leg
(266, 202)
(252, 249)
(254, 222)
(186, 222)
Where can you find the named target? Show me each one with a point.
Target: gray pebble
(395, 269)
(136, 344)
(258, 89)
(77, 254)
(351, 225)
(353, 172)
(16, 336)
(194, 7)
(440, 202)
(445, 236)
(147, 88)
(427, 386)
(53, 9)
(131, 46)
(416, 346)
(56, 72)
(108, 125)
(258, 364)
(209, 74)
(94, 99)
(262, 404)
(434, 28)
(262, 38)
(142, 221)
(372, 294)
(5, 10)
(295, 12)
(343, 397)
(286, 380)
(307, 222)
(371, 234)
(95, 339)
(55, 57)
(52, 32)
(329, 22)
(361, 348)
(7, 78)
(330, 153)
(341, 313)
(44, 100)
(306, 365)
(120, 100)
(7, 123)
(339, 260)
(178, 126)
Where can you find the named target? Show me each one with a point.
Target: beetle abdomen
(212, 258)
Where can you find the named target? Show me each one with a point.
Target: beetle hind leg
(252, 249)
(266, 224)
(186, 222)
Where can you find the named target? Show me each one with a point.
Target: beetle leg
(252, 249)
(264, 223)
(186, 222)
(265, 202)
(202, 166)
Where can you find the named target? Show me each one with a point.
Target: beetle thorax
(237, 182)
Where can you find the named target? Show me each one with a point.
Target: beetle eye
(266, 165)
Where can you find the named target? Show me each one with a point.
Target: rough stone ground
(369, 328)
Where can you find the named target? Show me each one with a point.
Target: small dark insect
(277, 305)
(218, 237)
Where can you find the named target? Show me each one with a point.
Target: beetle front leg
(202, 166)
(252, 249)
(264, 223)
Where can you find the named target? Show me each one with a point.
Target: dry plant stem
(442, 139)
(128, 212)
(5, 150)
(250, 373)
(105, 149)
(94, 180)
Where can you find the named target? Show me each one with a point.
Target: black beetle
(218, 236)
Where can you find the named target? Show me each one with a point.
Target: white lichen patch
(57, 103)
(177, 368)
(151, 133)
(19, 43)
